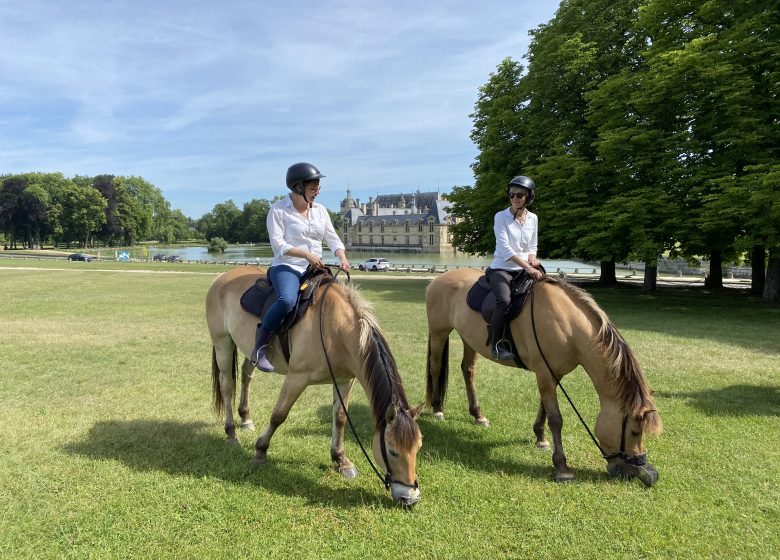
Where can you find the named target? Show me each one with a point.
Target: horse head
(395, 447)
(621, 437)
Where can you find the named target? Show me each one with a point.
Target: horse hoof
(484, 422)
(438, 415)
(564, 477)
(543, 445)
(348, 472)
(259, 462)
(233, 441)
(248, 426)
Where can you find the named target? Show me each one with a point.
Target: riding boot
(500, 347)
(260, 353)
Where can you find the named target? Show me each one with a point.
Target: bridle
(637, 460)
(387, 480)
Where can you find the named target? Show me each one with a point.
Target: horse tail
(444, 371)
(219, 405)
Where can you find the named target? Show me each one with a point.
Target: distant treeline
(651, 128)
(49, 208)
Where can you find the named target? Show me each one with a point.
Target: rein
(636, 460)
(387, 479)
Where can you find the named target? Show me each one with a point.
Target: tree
(251, 224)
(497, 117)
(84, 211)
(217, 245)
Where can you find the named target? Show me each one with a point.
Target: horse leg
(541, 418)
(437, 371)
(469, 368)
(224, 362)
(343, 465)
(292, 388)
(555, 421)
(247, 373)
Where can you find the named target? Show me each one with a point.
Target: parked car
(158, 257)
(79, 257)
(374, 263)
(174, 258)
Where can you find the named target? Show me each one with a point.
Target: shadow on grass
(736, 400)
(474, 449)
(447, 441)
(193, 450)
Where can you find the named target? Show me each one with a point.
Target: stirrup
(260, 360)
(502, 350)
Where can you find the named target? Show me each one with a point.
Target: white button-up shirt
(288, 229)
(513, 238)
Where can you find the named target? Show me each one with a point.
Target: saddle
(481, 298)
(259, 298)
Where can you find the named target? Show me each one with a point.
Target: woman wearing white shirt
(516, 230)
(296, 226)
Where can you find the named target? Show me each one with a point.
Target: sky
(212, 101)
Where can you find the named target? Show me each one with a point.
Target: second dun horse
(567, 329)
(356, 349)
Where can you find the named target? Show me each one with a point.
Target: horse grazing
(572, 330)
(341, 324)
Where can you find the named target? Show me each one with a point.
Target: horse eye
(635, 434)
(392, 452)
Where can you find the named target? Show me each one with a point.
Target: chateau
(414, 222)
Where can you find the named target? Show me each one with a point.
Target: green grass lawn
(109, 447)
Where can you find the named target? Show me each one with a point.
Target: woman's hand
(314, 260)
(535, 273)
(344, 265)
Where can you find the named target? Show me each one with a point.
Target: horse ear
(391, 412)
(415, 412)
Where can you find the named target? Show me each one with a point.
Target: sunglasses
(517, 195)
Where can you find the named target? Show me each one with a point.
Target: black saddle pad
(481, 297)
(259, 298)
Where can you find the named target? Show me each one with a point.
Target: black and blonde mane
(384, 383)
(632, 388)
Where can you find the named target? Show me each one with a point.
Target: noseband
(636, 460)
(388, 479)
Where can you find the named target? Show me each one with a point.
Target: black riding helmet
(526, 183)
(299, 173)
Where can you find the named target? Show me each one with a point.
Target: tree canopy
(650, 126)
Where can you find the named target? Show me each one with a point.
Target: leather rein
(636, 460)
(387, 479)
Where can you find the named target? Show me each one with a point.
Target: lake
(264, 254)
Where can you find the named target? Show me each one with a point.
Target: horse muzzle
(405, 496)
(646, 472)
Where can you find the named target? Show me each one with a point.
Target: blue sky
(213, 101)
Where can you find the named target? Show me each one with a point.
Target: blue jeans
(286, 283)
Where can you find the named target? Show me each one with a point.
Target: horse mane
(632, 387)
(384, 382)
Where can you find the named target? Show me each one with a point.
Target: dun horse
(572, 330)
(355, 348)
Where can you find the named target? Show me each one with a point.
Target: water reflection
(252, 253)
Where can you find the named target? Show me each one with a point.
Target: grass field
(109, 447)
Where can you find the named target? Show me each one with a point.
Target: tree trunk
(758, 265)
(714, 279)
(772, 285)
(608, 277)
(651, 277)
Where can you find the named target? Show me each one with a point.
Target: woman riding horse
(560, 328)
(337, 338)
